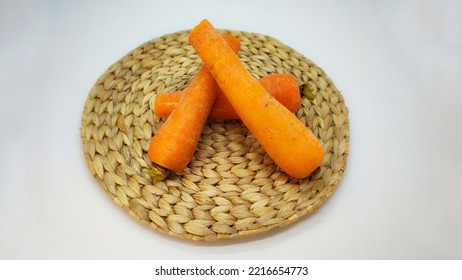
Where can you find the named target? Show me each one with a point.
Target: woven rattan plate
(231, 188)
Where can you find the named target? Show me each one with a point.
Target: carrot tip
(157, 173)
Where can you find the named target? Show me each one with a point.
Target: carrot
(174, 143)
(283, 136)
(284, 87)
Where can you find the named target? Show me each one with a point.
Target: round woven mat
(231, 188)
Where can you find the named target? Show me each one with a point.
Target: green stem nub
(157, 173)
(307, 91)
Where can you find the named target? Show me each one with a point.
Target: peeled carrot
(283, 136)
(284, 87)
(174, 143)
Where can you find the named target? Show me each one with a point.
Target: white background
(397, 63)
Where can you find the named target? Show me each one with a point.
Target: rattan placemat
(231, 188)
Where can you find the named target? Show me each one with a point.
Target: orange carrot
(283, 136)
(173, 145)
(284, 87)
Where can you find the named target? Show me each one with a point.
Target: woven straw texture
(231, 188)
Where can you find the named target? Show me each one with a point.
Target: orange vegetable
(283, 136)
(173, 145)
(284, 87)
